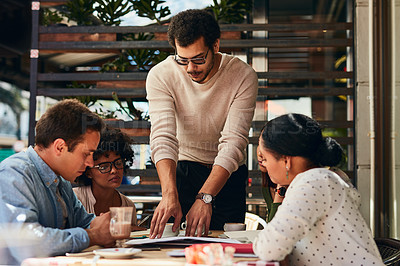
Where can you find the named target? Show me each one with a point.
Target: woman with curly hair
(98, 183)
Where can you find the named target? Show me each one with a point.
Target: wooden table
(144, 258)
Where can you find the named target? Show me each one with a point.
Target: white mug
(234, 227)
(168, 230)
(184, 224)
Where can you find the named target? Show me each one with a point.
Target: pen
(144, 220)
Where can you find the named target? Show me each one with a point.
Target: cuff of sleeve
(80, 239)
(229, 166)
(157, 158)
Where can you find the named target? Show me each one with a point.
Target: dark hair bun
(329, 153)
(299, 135)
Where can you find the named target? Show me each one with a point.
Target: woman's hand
(279, 194)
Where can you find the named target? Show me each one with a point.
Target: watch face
(207, 198)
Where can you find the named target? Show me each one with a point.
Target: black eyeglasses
(106, 167)
(196, 61)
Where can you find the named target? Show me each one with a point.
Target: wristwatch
(281, 191)
(206, 198)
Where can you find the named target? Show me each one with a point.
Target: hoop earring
(287, 172)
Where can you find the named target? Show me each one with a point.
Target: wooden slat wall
(45, 81)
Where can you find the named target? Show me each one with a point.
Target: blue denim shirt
(28, 195)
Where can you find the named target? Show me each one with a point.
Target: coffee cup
(184, 225)
(168, 230)
(234, 227)
(120, 223)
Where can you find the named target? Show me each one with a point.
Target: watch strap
(202, 195)
(281, 191)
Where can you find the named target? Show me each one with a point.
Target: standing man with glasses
(201, 105)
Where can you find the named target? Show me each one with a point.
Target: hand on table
(198, 217)
(168, 206)
(99, 232)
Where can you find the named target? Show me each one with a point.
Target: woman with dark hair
(319, 221)
(98, 191)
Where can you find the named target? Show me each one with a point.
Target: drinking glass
(120, 224)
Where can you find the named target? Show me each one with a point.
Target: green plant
(144, 58)
(49, 17)
(130, 109)
(85, 99)
(151, 9)
(230, 11)
(105, 113)
(141, 59)
(120, 64)
(12, 98)
(80, 11)
(110, 11)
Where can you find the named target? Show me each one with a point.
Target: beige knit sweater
(207, 123)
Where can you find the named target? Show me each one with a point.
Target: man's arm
(169, 204)
(25, 202)
(164, 146)
(199, 215)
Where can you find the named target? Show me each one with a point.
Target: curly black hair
(111, 140)
(188, 26)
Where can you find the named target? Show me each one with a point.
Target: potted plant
(81, 12)
(139, 125)
(111, 11)
(229, 12)
(50, 17)
(132, 60)
(144, 59)
(153, 10)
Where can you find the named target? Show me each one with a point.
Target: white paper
(180, 240)
(247, 236)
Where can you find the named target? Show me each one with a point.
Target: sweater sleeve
(163, 140)
(234, 136)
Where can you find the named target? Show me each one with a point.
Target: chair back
(390, 250)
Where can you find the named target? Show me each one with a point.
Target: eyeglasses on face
(106, 167)
(196, 61)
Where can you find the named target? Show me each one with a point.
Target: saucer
(117, 253)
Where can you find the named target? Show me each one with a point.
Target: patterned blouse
(319, 223)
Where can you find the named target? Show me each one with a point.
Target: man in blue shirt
(35, 190)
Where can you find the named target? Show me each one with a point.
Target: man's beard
(207, 71)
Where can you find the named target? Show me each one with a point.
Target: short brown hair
(69, 120)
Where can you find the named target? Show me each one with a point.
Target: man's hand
(99, 232)
(168, 206)
(198, 217)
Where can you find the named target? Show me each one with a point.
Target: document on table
(179, 240)
(247, 236)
